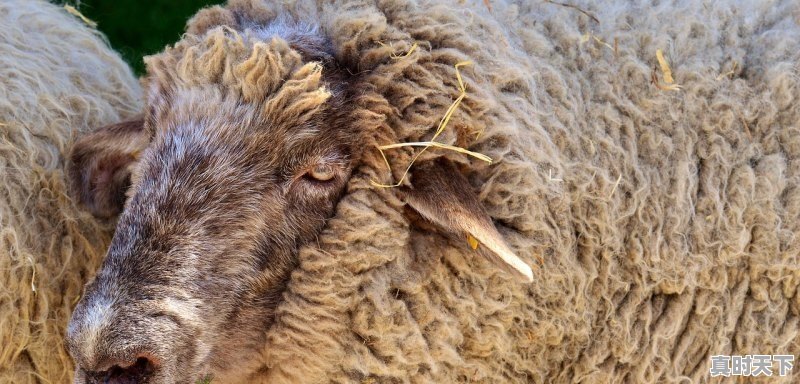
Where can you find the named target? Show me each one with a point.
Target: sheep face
(246, 145)
(231, 170)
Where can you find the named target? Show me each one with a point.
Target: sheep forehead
(239, 78)
(252, 64)
(199, 125)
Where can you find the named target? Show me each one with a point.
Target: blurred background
(137, 28)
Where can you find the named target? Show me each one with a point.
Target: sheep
(58, 78)
(645, 166)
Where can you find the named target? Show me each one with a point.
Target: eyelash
(324, 173)
(337, 166)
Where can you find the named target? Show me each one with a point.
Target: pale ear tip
(526, 274)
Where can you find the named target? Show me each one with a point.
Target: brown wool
(669, 235)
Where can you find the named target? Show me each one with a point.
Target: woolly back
(665, 218)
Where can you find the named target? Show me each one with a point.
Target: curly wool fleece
(667, 220)
(57, 78)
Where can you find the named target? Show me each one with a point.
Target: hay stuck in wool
(58, 77)
(579, 9)
(75, 12)
(669, 238)
(432, 142)
(666, 73)
(729, 73)
(692, 252)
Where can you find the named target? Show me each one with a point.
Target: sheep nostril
(136, 373)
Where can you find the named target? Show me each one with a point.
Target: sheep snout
(134, 372)
(112, 345)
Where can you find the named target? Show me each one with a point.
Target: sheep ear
(100, 166)
(441, 194)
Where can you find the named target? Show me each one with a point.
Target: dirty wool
(656, 195)
(658, 202)
(58, 77)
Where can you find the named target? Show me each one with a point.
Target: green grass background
(137, 28)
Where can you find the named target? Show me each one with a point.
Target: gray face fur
(224, 187)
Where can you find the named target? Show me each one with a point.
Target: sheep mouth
(139, 372)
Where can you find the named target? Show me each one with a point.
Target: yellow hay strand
(590, 36)
(436, 144)
(615, 186)
(664, 67)
(488, 4)
(73, 11)
(730, 73)
(403, 56)
(433, 143)
(597, 39)
(663, 87)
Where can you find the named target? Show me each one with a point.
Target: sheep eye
(322, 172)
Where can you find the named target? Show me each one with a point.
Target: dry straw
(585, 38)
(432, 143)
(73, 11)
(730, 73)
(396, 56)
(593, 17)
(666, 73)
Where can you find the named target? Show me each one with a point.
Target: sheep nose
(134, 372)
(111, 345)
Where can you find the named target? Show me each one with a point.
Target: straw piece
(437, 144)
(403, 56)
(550, 176)
(664, 67)
(746, 126)
(574, 7)
(663, 87)
(590, 35)
(615, 186)
(73, 11)
(729, 73)
(432, 143)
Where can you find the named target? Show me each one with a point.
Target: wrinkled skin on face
(246, 145)
(225, 183)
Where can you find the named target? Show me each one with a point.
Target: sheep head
(243, 152)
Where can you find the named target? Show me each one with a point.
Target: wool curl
(268, 74)
(668, 221)
(58, 78)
